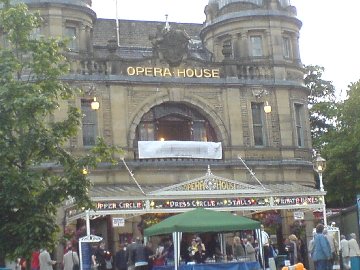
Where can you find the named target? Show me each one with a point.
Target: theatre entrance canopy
(209, 191)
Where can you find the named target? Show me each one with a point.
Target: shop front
(120, 215)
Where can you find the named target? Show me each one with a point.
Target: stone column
(244, 46)
(82, 38)
(309, 226)
(295, 46)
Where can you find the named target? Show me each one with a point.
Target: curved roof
(223, 3)
(81, 3)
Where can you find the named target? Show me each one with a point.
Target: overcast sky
(329, 37)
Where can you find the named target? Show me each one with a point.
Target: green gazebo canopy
(202, 220)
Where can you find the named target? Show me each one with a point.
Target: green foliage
(335, 127)
(37, 173)
(342, 150)
(322, 103)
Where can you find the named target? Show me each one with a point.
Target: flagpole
(117, 23)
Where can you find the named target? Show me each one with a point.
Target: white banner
(179, 149)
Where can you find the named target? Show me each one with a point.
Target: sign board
(118, 222)
(179, 149)
(299, 215)
(85, 250)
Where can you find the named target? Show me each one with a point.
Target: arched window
(223, 3)
(285, 3)
(174, 121)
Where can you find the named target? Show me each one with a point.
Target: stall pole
(261, 247)
(176, 241)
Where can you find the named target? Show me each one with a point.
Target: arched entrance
(174, 121)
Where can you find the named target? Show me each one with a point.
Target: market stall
(203, 220)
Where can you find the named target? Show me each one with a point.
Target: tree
(30, 91)
(322, 105)
(335, 128)
(342, 151)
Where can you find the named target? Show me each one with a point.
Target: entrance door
(178, 130)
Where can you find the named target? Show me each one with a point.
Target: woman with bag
(71, 260)
(321, 252)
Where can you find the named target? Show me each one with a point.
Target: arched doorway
(174, 121)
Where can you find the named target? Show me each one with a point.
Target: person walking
(293, 249)
(321, 252)
(344, 251)
(98, 257)
(265, 238)
(35, 265)
(201, 251)
(249, 249)
(128, 255)
(45, 261)
(238, 248)
(70, 259)
(120, 258)
(140, 256)
(353, 246)
(333, 246)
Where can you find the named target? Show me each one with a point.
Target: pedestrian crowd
(323, 249)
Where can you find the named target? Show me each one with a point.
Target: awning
(202, 220)
(209, 191)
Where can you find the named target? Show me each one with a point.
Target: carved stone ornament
(170, 45)
(259, 92)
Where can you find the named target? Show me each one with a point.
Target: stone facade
(253, 45)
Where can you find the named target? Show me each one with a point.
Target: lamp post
(319, 165)
(267, 110)
(95, 105)
(267, 107)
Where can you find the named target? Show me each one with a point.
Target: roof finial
(208, 171)
(167, 25)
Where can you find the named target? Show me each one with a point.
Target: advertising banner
(179, 149)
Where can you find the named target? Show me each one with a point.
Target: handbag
(76, 266)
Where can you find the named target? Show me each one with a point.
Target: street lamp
(267, 108)
(95, 105)
(319, 165)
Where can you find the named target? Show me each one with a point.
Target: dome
(81, 3)
(222, 3)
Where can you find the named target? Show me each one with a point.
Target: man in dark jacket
(120, 258)
(99, 256)
(140, 255)
(128, 255)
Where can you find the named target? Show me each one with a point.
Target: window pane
(147, 132)
(35, 33)
(199, 131)
(285, 3)
(256, 114)
(258, 136)
(286, 47)
(257, 117)
(89, 123)
(70, 33)
(256, 46)
(299, 124)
